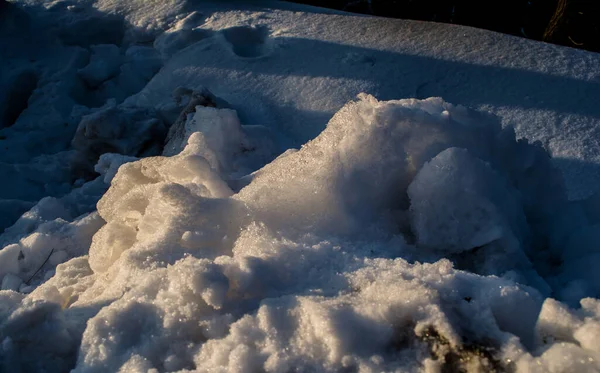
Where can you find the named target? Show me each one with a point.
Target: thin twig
(35, 273)
(558, 18)
(574, 42)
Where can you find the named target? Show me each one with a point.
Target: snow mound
(337, 256)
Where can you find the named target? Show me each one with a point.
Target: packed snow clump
(410, 235)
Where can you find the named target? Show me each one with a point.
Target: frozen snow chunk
(104, 64)
(216, 134)
(168, 200)
(458, 203)
(590, 307)
(122, 130)
(186, 101)
(218, 137)
(588, 336)
(109, 164)
(108, 245)
(9, 259)
(556, 322)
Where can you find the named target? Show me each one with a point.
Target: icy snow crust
(408, 235)
(333, 256)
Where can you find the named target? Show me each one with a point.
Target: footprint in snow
(248, 41)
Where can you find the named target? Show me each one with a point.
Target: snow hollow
(224, 187)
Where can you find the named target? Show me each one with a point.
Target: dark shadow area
(108, 29)
(30, 35)
(12, 211)
(20, 89)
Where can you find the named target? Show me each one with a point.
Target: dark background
(574, 23)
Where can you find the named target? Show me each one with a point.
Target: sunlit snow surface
(299, 225)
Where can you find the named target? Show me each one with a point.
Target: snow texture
(205, 187)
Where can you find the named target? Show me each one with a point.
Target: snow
(104, 64)
(220, 187)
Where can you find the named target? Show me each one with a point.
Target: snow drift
(332, 257)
